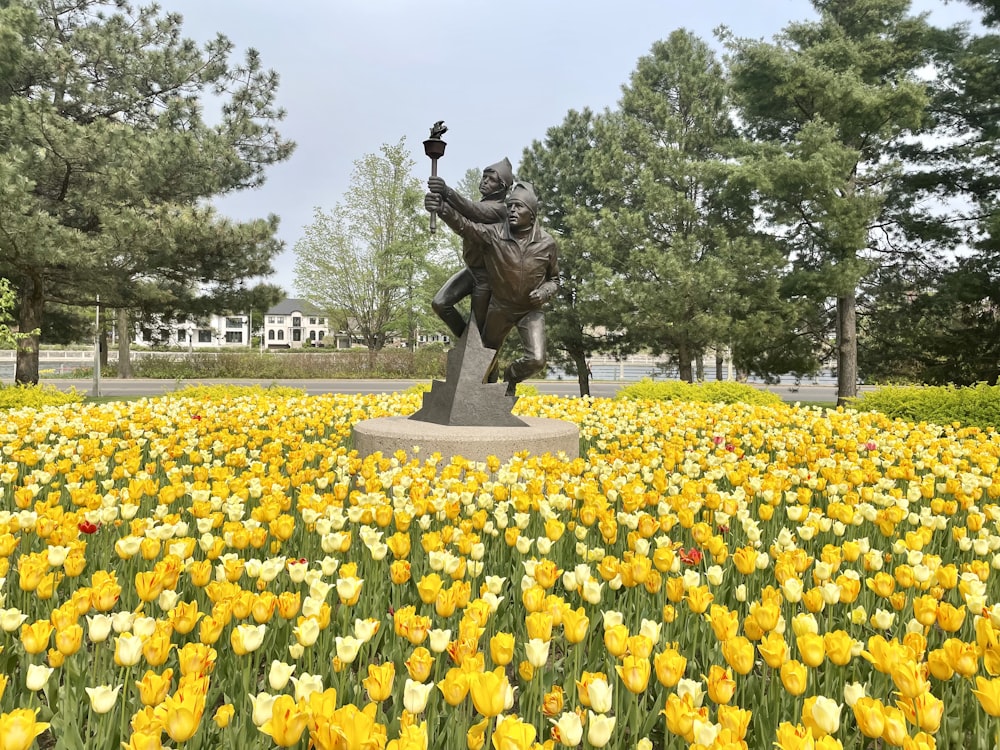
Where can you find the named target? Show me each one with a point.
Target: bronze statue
(473, 280)
(522, 267)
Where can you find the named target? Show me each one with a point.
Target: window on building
(281, 335)
(312, 335)
(322, 321)
(234, 322)
(270, 335)
(270, 319)
(296, 334)
(312, 321)
(234, 337)
(296, 322)
(321, 335)
(204, 335)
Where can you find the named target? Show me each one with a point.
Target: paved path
(137, 387)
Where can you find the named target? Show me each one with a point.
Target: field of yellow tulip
(225, 573)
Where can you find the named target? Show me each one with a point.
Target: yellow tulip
(575, 625)
(680, 716)
(811, 649)
(475, 738)
(489, 691)
(773, 649)
(794, 737)
(428, 588)
(513, 734)
(634, 673)
(153, 687)
(19, 728)
(379, 681)
(69, 639)
(721, 685)
(870, 715)
(838, 646)
(669, 666)
(35, 636)
(181, 713)
(502, 649)
(455, 686)
(287, 723)
(910, 679)
(148, 585)
(925, 711)
(739, 654)
(539, 625)
(987, 692)
(725, 623)
(735, 719)
(962, 657)
(616, 640)
(552, 701)
(895, 730)
(794, 677)
(698, 599)
(949, 617)
(223, 715)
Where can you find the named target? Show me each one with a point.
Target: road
(138, 387)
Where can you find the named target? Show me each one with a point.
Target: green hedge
(712, 392)
(974, 406)
(427, 362)
(16, 396)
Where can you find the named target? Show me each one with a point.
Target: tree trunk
(684, 370)
(847, 348)
(699, 367)
(124, 343)
(29, 322)
(582, 371)
(720, 361)
(372, 351)
(103, 334)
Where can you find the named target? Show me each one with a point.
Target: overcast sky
(359, 73)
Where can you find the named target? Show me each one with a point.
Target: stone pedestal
(537, 436)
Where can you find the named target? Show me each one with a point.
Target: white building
(207, 331)
(294, 323)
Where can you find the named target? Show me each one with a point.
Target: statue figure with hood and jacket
(473, 280)
(522, 267)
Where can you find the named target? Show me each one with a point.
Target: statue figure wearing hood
(522, 267)
(473, 280)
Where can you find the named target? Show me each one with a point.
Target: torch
(434, 148)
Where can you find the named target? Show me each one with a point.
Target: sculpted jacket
(515, 267)
(489, 210)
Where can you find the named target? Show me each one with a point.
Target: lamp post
(434, 148)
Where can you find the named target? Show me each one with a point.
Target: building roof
(291, 306)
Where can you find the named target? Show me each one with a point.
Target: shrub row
(428, 362)
(712, 392)
(975, 406)
(36, 396)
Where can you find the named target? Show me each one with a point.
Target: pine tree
(107, 161)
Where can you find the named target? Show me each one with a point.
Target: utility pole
(96, 391)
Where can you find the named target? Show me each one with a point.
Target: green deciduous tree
(830, 101)
(366, 258)
(106, 161)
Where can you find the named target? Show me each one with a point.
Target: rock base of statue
(463, 416)
(423, 439)
(463, 399)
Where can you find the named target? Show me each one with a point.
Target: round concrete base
(390, 434)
